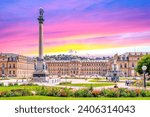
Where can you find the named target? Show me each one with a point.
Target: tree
(145, 61)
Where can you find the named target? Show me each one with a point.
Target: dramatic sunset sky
(95, 27)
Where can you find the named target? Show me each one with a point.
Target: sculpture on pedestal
(40, 73)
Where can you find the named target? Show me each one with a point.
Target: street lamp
(66, 78)
(144, 68)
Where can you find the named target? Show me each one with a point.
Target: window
(13, 65)
(132, 64)
(125, 74)
(3, 65)
(120, 65)
(9, 65)
(13, 72)
(125, 65)
(14, 59)
(9, 72)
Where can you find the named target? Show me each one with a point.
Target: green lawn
(8, 88)
(88, 85)
(69, 98)
(103, 81)
(95, 80)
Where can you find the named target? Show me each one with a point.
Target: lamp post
(144, 68)
(66, 78)
(115, 72)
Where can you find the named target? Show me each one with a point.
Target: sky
(88, 27)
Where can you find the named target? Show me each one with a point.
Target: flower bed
(16, 92)
(84, 92)
(88, 92)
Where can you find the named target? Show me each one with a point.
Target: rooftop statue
(41, 12)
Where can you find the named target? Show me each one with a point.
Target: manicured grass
(8, 88)
(89, 85)
(95, 80)
(4, 79)
(122, 79)
(148, 83)
(103, 81)
(69, 98)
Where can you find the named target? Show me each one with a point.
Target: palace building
(77, 67)
(13, 65)
(127, 62)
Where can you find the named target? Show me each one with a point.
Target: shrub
(17, 92)
(147, 93)
(133, 93)
(64, 83)
(29, 84)
(115, 92)
(21, 92)
(138, 92)
(148, 83)
(48, 91)
(42, 91)
(2, 93)
(110, 92)
(91, 87)
(8, 94)
(26, 92)
(10, 84)
(83, 93)
(123, 92)
(105, 92)
(96, 93)
(66, 92)
(143, 93)
(1, 84)
(53, 91)
(138, 83)
(16, 84)
(98, 78)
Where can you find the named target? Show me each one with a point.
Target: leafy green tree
(145, 61)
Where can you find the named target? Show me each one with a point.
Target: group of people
(128, 82)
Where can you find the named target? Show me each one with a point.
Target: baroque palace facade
(13, 65)
(127, 62)
(78, 67)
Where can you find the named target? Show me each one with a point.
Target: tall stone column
(41, 21)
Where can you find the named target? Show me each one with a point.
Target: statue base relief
(41, 74)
